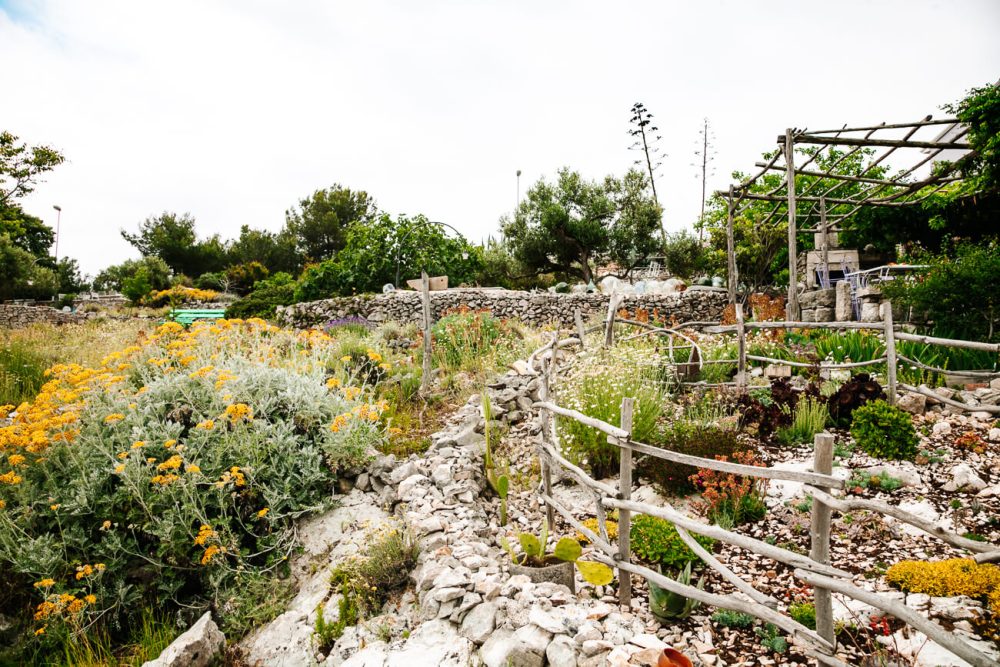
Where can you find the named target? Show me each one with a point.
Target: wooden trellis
(818, 207)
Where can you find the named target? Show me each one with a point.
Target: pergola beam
(873, 143)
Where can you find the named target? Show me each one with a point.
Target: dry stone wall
(14, 316)
(530, 307)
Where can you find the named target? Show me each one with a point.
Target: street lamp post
(399, 245)
(58, 220)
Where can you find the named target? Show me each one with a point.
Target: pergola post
(731, 250)
(826, 239)
(792, 309)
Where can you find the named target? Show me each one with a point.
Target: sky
(234, 111)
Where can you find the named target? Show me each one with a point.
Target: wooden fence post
(609, 324)
(581, 332)
(425, 298)
(731, 276)
(548, 431)
(792, 308)
(820, 539)
(625, 516)
(741, 368)
(890, 350)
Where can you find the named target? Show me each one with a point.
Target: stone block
(823, 314)
(843, 307)
(821, 298)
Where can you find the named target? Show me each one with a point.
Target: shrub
(241, 278)
(730, 500)
(656, 541)
(884, 431)
(596, 389)
(973, 266)
(882, 481)
(804, 613)
(177, 295)
(948, 578)
(463, 338)
(732, 619)
(686, 437)
(171, 470)
(365, 582)
(263, 302)
(851, 395)
(764, 411)
(810, 418)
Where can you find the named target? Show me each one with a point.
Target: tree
(71, 280)
(276, 251)
(21, 274)
(320, 224)
(577, 227)
(685, 257)
(368, 259)
(647, 140)
(114, 277)
(172, 238)
(21, 166)
(26, 231)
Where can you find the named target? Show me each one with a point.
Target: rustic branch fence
(814, 569)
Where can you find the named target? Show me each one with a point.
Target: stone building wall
(703, 304)
(14, 316)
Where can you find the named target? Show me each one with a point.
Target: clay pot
(562, 572)
(673, 658)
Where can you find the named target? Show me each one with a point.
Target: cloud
(232, 111)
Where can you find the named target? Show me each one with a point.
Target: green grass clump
(809, 419)
(884, 431)
(22, 372)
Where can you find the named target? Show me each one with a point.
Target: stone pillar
(844, 307)
(871, 304)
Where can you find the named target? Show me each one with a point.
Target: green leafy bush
(974, 267)
(804, 613)
(884, 431)
(656, 541)
(686, 437)
(263, 301)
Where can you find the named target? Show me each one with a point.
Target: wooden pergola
(822, 206)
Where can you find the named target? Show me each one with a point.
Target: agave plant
(667, 606)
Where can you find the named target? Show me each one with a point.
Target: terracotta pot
(673, 658)
(560, 573)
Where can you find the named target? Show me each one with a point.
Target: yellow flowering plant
(172, 469)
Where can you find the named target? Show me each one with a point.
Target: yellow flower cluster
(234, 475)
(87, 570)
(61, 603)
(205, 533)
(956, 576)
(238, 412)
(181, 294)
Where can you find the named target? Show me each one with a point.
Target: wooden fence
(814, 569)
(886, 328)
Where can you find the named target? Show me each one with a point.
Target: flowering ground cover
(169, 475)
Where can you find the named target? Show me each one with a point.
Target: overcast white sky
(232, 111)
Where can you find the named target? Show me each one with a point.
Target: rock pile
(702, 304)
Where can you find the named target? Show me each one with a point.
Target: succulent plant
(668, 606)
